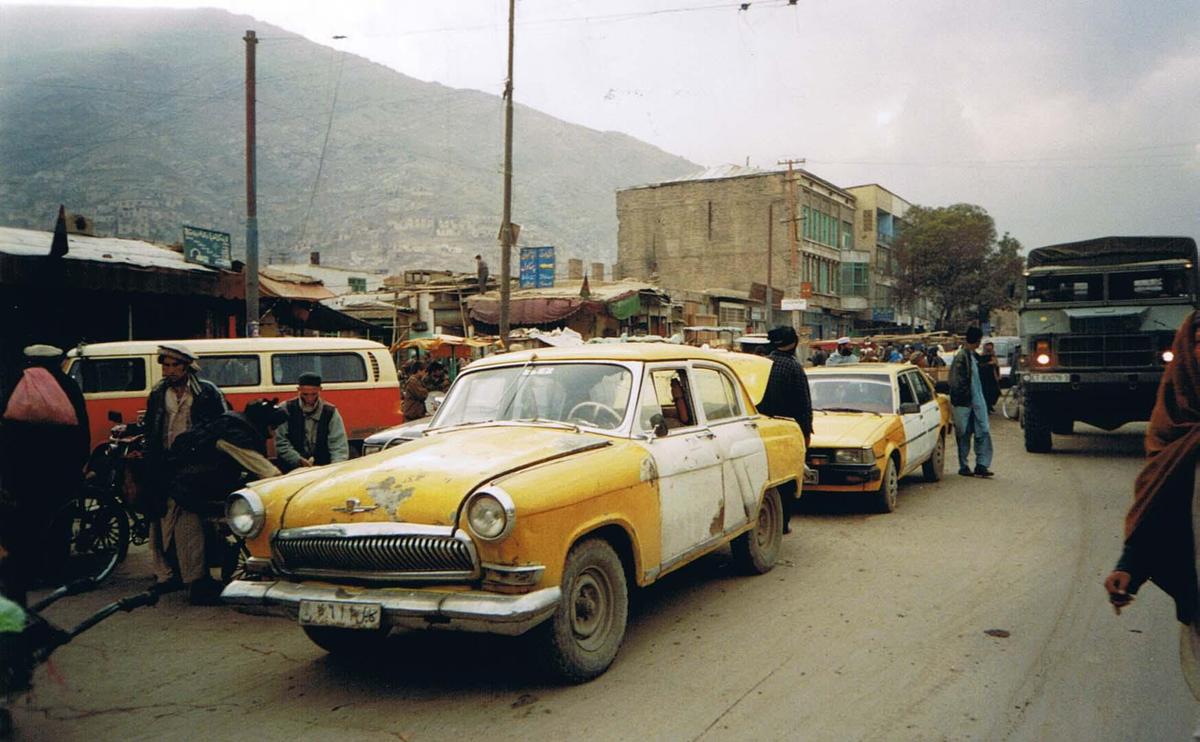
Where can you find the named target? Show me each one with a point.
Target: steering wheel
(597, 408)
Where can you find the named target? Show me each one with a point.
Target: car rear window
(230, 371)
(109, 374)
(333, 367)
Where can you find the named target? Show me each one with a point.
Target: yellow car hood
(848, 429)
(426, 480)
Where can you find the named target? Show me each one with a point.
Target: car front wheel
(755, 551)
(581, 639)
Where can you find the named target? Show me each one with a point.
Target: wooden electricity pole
(251, 195)
(793, 235)
(770, 259)
(506, 235)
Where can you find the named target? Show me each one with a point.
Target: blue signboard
(883, 314)
(206, 247)
(537, 267)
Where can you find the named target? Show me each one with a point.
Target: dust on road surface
(872, 627)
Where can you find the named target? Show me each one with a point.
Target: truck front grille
(1106, 351)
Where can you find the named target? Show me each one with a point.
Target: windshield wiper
(845, 409)
(459, 425)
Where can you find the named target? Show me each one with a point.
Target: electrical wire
(337, 83)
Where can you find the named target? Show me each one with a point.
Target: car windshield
(590, 394)
(847, 393)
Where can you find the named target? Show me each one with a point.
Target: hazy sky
(1066, 119)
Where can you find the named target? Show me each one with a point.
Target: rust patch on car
(649, 470)
(388, 495)
(717, 527)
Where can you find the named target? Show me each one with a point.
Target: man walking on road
(787, 395)
(178, 403)
(314, 434)
(970, 408)
(1160, 529)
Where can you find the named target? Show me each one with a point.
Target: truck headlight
(1168, 356)
(245, 514)
(853, 456)
(1043, 359)
(491, 514)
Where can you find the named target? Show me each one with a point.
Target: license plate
(1050, 378)
(340, 615)
(812, 476)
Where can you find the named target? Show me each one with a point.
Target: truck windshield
(1156, 283)
(1064, 288)
(1152, 284)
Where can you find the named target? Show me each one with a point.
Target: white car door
(687, 461)
(931, 413)
(743, 455)
(917, 444)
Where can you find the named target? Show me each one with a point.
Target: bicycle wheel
(1011, 405)
(98, 535)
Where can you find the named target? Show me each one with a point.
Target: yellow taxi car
(548, 484)
(874, 423)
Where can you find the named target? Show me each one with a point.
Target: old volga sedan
(874, 423)
(548, 485)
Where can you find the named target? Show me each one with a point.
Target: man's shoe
(964, 472)
(205, 591)
(983, 471)
(162, 587)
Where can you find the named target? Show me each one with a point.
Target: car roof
(861, 369)
(227, 345)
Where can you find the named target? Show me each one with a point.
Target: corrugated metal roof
(111, 250)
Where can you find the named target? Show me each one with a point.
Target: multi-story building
(711, 235)
(880, 215)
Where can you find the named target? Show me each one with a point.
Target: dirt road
(874, 627)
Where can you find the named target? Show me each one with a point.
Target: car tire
(756, 550)
(581, 639)
(935, 465)
(1035, 418)
(889, 488)
(347, 642)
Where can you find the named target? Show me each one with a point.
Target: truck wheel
(581, 639)
(1037, 426)
(1063, 426)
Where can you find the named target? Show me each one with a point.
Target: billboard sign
(537, 267)
(207, 247)
(883, 314)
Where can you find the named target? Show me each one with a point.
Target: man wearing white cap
(180, 402)
(843, 355)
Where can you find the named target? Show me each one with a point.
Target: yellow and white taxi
(549, 483)
(874, 423)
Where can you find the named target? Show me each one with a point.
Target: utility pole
(793, 235)
(770, 260)
(506, 235)
(251, 195)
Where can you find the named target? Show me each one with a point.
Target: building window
(731, 315)
(855, 278)
(358, 285)
(847, 236)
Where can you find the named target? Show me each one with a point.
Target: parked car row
(552, 482)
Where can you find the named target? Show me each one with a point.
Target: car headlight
(491, 514)
(245, 514)
(853, 456)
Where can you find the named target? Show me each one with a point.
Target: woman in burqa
(1161, 526)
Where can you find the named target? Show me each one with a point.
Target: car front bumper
(474, 611)
(844, 478)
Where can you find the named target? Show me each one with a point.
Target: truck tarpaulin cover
(1113, 251)
(540, 311)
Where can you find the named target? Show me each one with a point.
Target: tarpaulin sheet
(625, 305)
(537, 311)
(1113, 251)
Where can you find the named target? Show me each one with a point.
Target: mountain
(136, 118)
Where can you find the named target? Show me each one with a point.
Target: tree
(950, 256)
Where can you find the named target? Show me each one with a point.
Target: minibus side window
(109, 374)
(333, 367)
(227, 371)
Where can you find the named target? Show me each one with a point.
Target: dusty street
(873, 627)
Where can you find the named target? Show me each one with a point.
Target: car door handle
(708, 434)
(750, 424)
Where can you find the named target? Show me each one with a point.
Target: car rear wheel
(347, 642)
(889, 488)
(936, 464)
(581, 639)
(755, 551)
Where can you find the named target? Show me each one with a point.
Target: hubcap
(591, 608)
(766, 523)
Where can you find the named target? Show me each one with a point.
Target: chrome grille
(371, 552)
(1106, 351)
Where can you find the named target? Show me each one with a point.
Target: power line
(324, 146)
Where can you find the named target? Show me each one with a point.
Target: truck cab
(1097, 319)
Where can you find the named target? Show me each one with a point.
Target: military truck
(1097, 319)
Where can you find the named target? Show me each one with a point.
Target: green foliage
(950, 256)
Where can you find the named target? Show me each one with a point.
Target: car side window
(906, 392)
(921, 385)
(665, 393)
(716, 394)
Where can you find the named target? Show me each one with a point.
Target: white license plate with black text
(340, 615)
(1050, 378)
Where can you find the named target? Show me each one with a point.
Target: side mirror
(114, 416)
(435, 401)
(909, 408)
(660, 425)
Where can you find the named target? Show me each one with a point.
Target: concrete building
(710, 235)
(880, 215)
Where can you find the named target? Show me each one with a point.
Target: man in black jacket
(787, 395)
(970, 408)
(178, 403)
